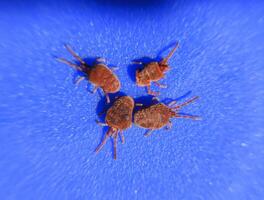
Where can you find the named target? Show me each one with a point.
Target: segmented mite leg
(188, 117)
(74, 66)
(100, 123)
(139, 104)
(114, 68)
(107, 135)
(148, 133)
(160, 85)
(100, 60)
(137, 62)
(166, 59)
(107, 98)
(80, 79)
(172, 103)
(122, 137)
(186, 103)
(115, 144)
(155, 99)
(74, 54)
(150, 92)
(169, 125)
(95, 89)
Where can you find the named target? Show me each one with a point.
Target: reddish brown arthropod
(159, 115)
(118, 118)
(153, 72)
(99, 75)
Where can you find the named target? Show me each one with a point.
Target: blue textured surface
(47, 125)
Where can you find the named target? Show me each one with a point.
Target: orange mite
(99, 75)
(159, 115)
(118, 118)
(153, 72)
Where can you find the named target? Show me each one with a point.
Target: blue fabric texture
(48, 132)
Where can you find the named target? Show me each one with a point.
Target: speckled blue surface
(47, 125)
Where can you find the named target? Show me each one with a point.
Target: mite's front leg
(94, 89)
(101, 123)
(107, 97)
(79, 79)
(159, 84)
(150, 92)
(148, 133)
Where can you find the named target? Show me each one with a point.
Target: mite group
(121, 114)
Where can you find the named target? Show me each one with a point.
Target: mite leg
(114, 68)
(166, 59)
(95, 89)
(186, 103)
(148, 133)
(74, 66)
(169, 125)
(139, 104)
(107, 97)
(172, 103)
(160, 85)
(155, 99)
(80, 79)
(150, 92)
(100, 123)
(137, 62)
(100, 60)
(107, 135)
(115, 144)
(74, 54)
(188, 117)
(122, 137)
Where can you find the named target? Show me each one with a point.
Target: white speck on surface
(243, 144)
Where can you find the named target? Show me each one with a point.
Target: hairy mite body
(150, 72)
(99, 75)
(159, 115)
(118, 118)
(154, 117)
(153, 72)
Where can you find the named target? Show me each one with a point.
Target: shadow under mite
(90, 61)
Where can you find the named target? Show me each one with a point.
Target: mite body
(99, 75)
(159, 115)
(153, 72)
(118, 118)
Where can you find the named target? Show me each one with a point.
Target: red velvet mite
(99, 75)
(153, 72)
(118, 118)
(159, 115)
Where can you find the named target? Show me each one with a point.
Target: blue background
(47, 125)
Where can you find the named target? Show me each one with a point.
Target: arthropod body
(99, 75)
(159, 115)
(153, 72)
(118, 118)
